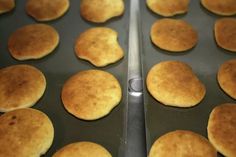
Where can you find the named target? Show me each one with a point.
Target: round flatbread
(220, 7)
(222, 129)
(21, 86)
(25, 132)
(226, 77)
(6, 5)
(168, 8)
(46, 10)
(181, 143)
(99, 46)
(173, 35)
(173, 83)
(91, 94)
(33, 41)
(100, 11)
(225, 33)
(82, 149)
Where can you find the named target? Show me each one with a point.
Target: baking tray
(109, 131)
(205, 60)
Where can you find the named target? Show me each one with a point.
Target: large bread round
(182, 143)
(91, 94)
(222, 129)
(173, 83)
(168, 8)
(6, 5)
(173, 35)
(21, 86)
(82, 149)
(33, 41)
(46, 10)
(25, 133)
(226, 77)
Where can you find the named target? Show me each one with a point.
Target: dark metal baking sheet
(205, 60)
(109, 131)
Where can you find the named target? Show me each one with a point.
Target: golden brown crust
(82, 149)
(173, 83)
(182, 143)
(220, 7)
(99, 46)
(168, 8)
(25, 132)
(33, 41)
(222, 129)
(46, 10)
(173, 35)
(226, 77)
(91, 94)
(20, 86)
(225, 33)
(100, 11)
(6, 5)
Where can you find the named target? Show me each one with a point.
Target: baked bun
(173, 83)
(173, 35)
(82, 149)
(99, 46)
(222, 129)
(25, 133)
(182, 143)
(33, 41)
(47, 10)
(91, 94)
(100, 11)
(168, 8)
(21, 86)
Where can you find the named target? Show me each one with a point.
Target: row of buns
(221, 134)
(88, 94)
(169, 8)
(103, 10)
(97, 45)
(173, 83)
(177, 35)
(29, 132)
(47, 10)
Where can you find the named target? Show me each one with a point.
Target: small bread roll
(226, 77)
(220, 7)
(47, 10)
(82, 149)
(168, 8)
(225, 33)
(100, 11)
(173, 35)
(99, 46)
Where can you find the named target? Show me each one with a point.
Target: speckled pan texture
(205, 59)
(60, 65)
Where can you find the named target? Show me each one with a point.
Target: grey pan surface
(205, 60)
(109, 131)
